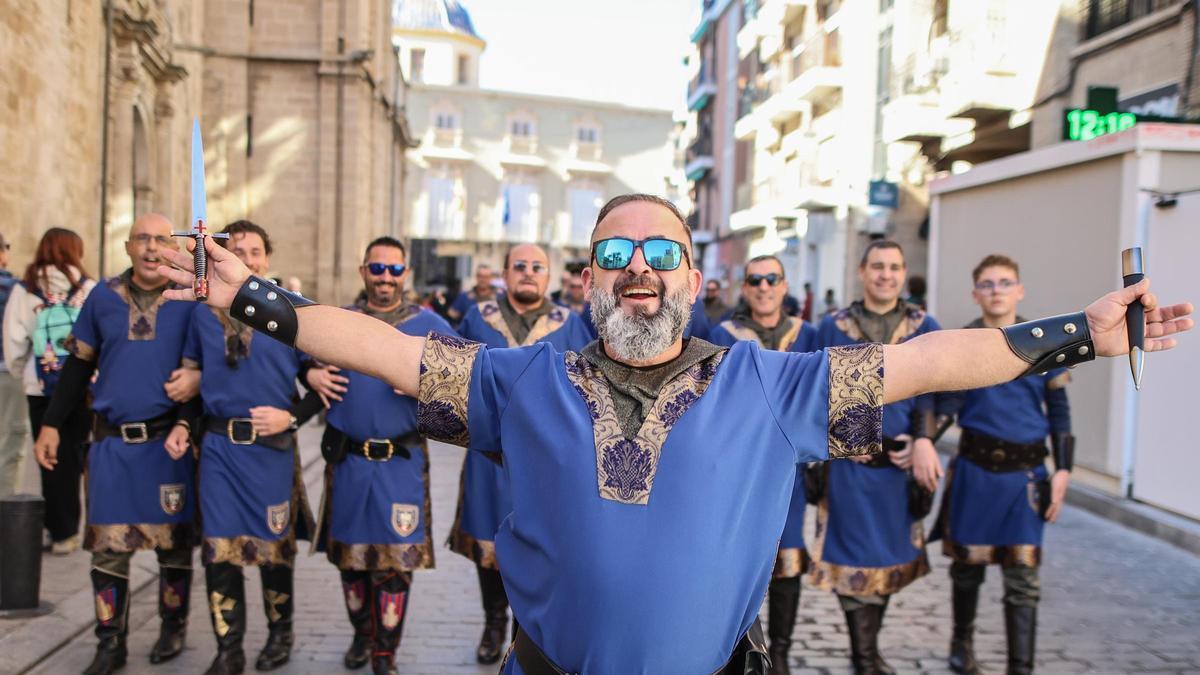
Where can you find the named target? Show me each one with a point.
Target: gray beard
(640, 337)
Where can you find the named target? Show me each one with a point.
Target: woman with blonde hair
(37, 323)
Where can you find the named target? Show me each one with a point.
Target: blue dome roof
(440, 15)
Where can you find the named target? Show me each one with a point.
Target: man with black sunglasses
(762, 320)
(651, 477)
(251, 494)
(522, 316)
(376, 522)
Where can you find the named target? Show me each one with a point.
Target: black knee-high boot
(389, 607)
(1020, 623)
(783, 599)
(864, 623)
(278, 601)
(964, 601)
(356, 590)
(174, 593)
(495, 616)
(112, 617)
(227, 608)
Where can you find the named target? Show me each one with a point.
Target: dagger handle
(1135, 316)
(200, 263)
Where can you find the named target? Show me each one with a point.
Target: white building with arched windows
(498, 167)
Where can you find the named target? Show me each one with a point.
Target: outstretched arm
(343, 338)
(949, 360)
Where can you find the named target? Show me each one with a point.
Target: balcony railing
(447, 137)
(750, 98)
(700, 148)
(822, 49)
(522, 145)
(918, 74)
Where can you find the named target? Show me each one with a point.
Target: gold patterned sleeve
(80, 349)
(446, 366)
(855, 400)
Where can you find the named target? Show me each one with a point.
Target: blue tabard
(484, 497)
(376, 514)
(137, 496)
(866, 541)
(248, 493)
(992, 517)
(650, 554)
(792, 558)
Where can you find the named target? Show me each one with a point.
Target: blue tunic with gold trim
(137, 496)
(252, 502)
(649, 554)
(484, 498)
(376, 515)
(800, 336)
(994, 516)
(866, 542)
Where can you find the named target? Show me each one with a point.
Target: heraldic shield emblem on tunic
(170, 498)
(277, 517)
(405, 518)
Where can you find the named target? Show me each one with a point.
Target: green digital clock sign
(1086, 124)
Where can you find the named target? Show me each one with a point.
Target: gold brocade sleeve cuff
(446, 365)
(80, 349)
(855, 400)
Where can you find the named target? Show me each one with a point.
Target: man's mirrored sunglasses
(378, 269)
(771, 278)
(616, 253)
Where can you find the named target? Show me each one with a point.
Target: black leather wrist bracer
(268, 309)
(1054, 342)
(922, 423)
(1062, 445)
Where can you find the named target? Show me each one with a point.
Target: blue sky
(627, 51)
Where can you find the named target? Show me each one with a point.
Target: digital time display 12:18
(1084, 125)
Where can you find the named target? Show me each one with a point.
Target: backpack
(52, 326)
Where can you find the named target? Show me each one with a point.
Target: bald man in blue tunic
(644, 526)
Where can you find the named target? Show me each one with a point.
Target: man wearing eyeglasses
(252, 497)
(870, 543)
(138, 497)
(651, 477)
(998, 495)
(522, 316)
(762, 320)
(376, 525)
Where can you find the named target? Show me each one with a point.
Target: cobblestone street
(1113, 601)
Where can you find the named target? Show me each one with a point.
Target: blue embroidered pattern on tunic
(628, 467)
(625, 467)
(442, 399)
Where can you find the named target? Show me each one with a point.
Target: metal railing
(823, 49)
(701, 147)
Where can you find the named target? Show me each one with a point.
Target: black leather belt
(749, 655)
(240, 431)
(998, 455)
(374, 449)
(134, 433)
(882, 460)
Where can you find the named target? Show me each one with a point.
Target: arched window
(445, 125)
(522, 132)
(587, 138)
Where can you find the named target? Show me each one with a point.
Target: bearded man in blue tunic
(761, 320)
(375, 516)
(869, 541)
(644, 524)
(140, 494)
(252, 499)
(998, 493)
(522, 316)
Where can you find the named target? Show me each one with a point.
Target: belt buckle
(233, 423)
(998, 455)
(366, 446)
(143, 433)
